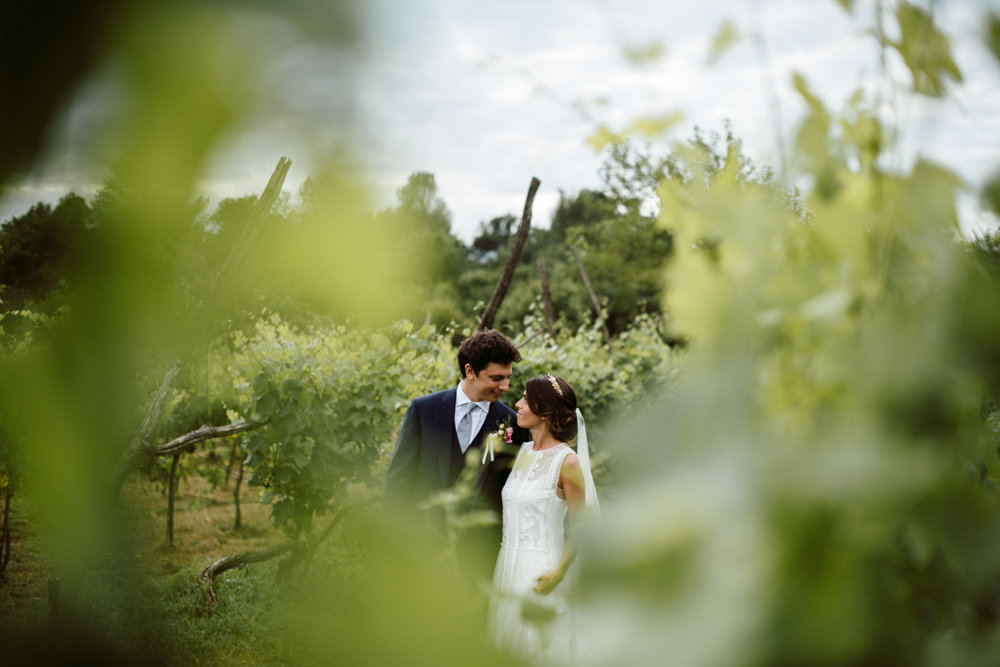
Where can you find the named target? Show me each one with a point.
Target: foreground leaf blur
(794, 419)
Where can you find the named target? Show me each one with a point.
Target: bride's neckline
(545, 449)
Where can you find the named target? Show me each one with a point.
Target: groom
(439, 429)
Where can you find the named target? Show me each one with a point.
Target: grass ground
(203, 523)
(368, 596)
(203, 532)
(144, 605)
(151, 605)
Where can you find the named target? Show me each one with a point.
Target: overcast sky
(487, 95)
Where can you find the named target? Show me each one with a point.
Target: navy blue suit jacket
(422, 462)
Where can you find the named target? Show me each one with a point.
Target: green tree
(423, 222)
(40, 251)
(613, 227)
(427, 221)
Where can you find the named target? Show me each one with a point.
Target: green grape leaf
(991, 194)
(643, 54)
(282, 512)
(603, 136)
(301, 460)
(993, 34)
(925, 50)
(725, 38)
(653, 126)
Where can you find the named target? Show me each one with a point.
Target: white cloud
(484, 95)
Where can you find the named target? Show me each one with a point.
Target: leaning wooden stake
(140, 442)
(515, 256)
(593, 296)
(550, 313)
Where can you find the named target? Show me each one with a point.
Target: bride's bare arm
(571, 481)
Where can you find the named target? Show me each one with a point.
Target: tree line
(613, 229)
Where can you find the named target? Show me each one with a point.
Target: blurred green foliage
(822, 475)
(925, 50)
(812, 481)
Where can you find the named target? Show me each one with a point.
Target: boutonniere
(497, 439)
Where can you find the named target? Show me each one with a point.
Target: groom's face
(489, 384)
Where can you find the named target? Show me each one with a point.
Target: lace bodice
(532, 512)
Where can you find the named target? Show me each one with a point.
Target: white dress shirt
(479, 411)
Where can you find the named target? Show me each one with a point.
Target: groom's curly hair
(556, 406)
(484, 348)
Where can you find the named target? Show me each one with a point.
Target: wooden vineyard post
(5, 531)
(140, 442)
(171, 492)
(515, 255)
(593, 296)
(236, 488)
(550, 314)
(55, 602)
(229, 466)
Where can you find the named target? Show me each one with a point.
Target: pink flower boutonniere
(495, 440)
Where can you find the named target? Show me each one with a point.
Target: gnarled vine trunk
(296, 547)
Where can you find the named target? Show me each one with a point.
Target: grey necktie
(465, 428)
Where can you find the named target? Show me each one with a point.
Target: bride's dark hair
(558, 407)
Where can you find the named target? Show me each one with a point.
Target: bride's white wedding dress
(532, 545)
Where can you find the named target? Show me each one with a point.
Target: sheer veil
(583, 453)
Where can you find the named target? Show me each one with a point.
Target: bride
(529, 616)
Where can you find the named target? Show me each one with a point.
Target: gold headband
(555, 384)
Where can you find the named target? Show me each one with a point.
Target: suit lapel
(492, 417)
(445, 418)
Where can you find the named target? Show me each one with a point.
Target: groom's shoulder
(430, 399)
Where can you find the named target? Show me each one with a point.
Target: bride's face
(525, 417)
